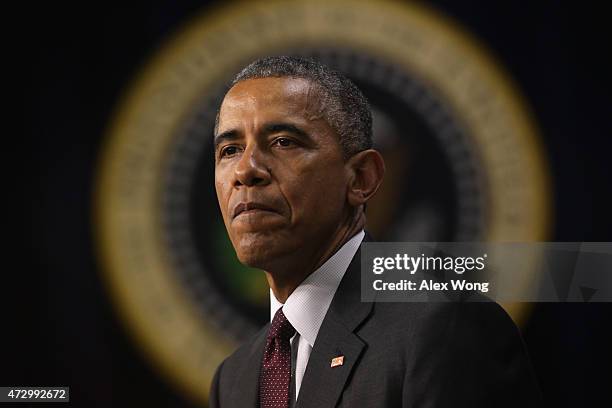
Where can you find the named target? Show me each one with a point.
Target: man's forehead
(269, 94)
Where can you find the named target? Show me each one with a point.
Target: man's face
(279, 171)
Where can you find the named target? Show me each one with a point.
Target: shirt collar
(307, 306)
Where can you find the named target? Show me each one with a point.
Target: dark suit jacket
(449, 354)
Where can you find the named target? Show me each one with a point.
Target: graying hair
(346, 109)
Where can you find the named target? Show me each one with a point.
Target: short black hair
(346, 109)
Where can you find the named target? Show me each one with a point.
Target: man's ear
(366, 171)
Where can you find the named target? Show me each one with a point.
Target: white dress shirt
(307, 306)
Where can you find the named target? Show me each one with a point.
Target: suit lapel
(322, 384)
(245, 392)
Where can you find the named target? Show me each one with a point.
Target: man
(294, 169)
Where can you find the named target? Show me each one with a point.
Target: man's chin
(260, 250)
(254, 259)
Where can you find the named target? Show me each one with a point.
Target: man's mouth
(251, 208)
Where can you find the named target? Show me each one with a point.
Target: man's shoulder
(245, 359)
(237, 359)
(422, 320)
(419, 310)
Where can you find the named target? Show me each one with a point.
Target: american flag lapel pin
(337, 361)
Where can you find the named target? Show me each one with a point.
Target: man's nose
(251, 169)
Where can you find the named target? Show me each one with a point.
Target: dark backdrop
(76, 60)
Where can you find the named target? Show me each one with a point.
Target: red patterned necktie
(275, 375)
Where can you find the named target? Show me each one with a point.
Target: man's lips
(251, 207)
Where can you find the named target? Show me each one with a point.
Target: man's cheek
(222, 196)
(308, 205)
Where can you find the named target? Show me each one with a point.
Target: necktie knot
(280, 327)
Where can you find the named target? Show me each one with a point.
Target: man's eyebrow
(285, 127)
(270, 128)
(228, 135)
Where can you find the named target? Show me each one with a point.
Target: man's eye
(229, 151)
(283, 142)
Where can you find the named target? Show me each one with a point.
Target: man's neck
(283, 284)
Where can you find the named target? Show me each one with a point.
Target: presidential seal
(449, 122)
